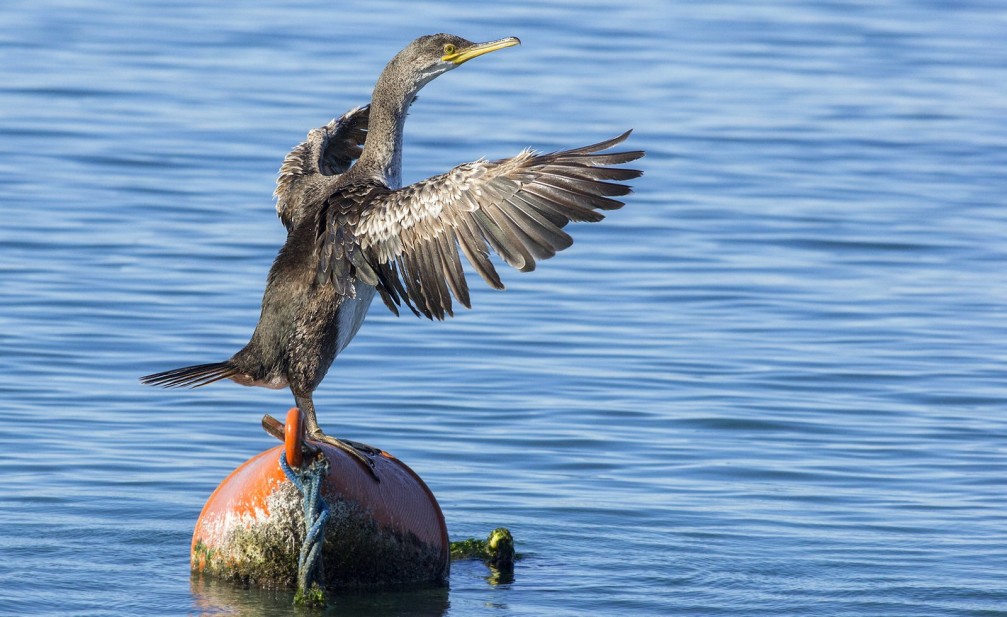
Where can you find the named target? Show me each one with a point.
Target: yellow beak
(464, 55)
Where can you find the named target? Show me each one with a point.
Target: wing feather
(533, 236)
(434, 271)
(500, 237)
(452, 264)
(549, 230)
(477, 252)
(328, 151)
(518, 207)
(562, 204)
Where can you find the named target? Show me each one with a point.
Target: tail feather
(191, 376)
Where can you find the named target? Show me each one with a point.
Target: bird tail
(192, 376)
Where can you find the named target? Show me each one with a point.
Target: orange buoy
(384, 526)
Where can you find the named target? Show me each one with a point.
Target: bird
(354, 232)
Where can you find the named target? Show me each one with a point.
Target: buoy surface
(383, 533)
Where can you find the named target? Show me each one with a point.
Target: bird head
(434, 54)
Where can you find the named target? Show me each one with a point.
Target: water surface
(772, 384)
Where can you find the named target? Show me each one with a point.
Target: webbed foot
(360, 451)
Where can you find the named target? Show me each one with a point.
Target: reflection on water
(213, 597)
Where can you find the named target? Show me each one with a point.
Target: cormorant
(353, 232)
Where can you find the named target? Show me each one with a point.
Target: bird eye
(449, 49)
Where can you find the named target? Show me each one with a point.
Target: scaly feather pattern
(516, 207)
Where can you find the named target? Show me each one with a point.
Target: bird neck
(382, 155)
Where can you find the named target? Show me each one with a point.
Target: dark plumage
(352, 232)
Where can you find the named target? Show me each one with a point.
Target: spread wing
(311, 166)
(518, 207)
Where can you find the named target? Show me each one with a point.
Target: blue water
(773, 384)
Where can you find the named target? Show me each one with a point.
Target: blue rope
(316, 514)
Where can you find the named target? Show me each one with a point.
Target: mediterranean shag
(353, 230)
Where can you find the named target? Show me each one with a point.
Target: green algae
(312, 597)
(496, 550)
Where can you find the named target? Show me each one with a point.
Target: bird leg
(356, 449)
